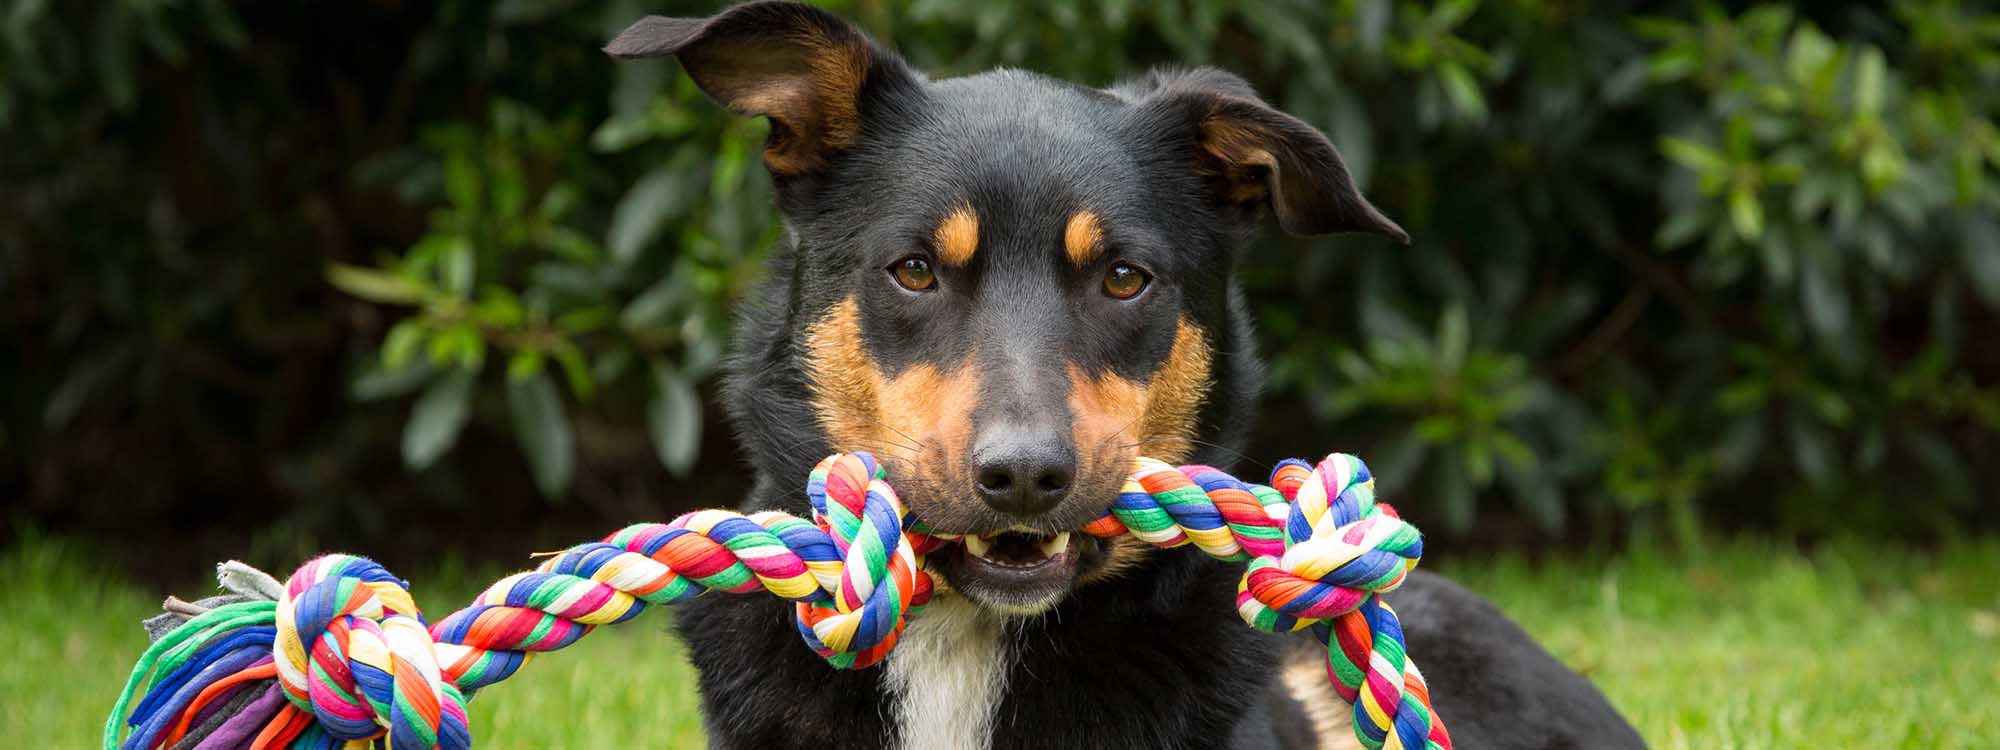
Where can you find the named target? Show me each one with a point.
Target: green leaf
(575, 370)
(543, 430)
(524, 364)
(377, 382)
(375, 285)
(654, 307)
(402, 343)
(436, 420)
(1463, 90)
(1810, 53)
(558, 200)
(673, 417)
(1825, 300)
(1868, 76)
(1746, 212)
(457, 268)
(461, 181)
(1452, 339)
(1436, 429)
(1701, 159)
(639, 215)
(1680, 228)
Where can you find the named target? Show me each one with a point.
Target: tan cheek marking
(957, 237)
(1111, 412)
(845, 381)
(1083, 238)
(933, 410)
(860, 408)
(1175, 395)
(1304, 676)
(1116, 419)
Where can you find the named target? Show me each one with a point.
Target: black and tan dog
(1008, 286)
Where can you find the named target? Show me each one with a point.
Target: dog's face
(1011, 285)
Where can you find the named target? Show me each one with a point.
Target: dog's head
(1004, 285)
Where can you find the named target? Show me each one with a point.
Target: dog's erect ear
(804, 68)
(1257, 154)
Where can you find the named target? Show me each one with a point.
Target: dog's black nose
(1024, 472)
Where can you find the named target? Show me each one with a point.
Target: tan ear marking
(1083, 238)
(957, 237)
(1240, 150)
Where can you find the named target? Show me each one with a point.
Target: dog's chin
(1017, 572)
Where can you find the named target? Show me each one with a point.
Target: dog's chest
(946, 677)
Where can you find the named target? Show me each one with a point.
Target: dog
(1007, 287)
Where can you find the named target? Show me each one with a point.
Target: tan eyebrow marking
(957, 236)
(1083, 238)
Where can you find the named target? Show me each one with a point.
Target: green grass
(1747, 646)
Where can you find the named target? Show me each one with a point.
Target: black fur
(1156, 658)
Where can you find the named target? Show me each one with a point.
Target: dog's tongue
(1018, 549)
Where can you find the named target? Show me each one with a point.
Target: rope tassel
(344, 659)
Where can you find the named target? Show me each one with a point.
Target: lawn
(1745, 646)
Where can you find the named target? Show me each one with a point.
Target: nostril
(1052, 482)
(996, 480)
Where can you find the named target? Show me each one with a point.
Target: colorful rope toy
(343, 658)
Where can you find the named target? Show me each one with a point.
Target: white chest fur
(946, 676)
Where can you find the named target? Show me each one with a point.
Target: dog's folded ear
(804, 68)
(1255, 154)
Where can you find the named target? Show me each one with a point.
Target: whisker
(907, 436)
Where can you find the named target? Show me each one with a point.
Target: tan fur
(814, 111)
(863, 409)
(957, 237)
(1304, 676)
(1241, 155)
(1116, 418)
(1083, 238)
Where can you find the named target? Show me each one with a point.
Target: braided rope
(355, 662)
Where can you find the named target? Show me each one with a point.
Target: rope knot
(352, 648)
(1340, 547)
(1342, 550)
(881, 579)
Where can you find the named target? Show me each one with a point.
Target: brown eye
(914, 274)
(1124, 282)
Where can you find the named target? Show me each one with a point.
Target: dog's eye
(914, 274)
(1124, 282)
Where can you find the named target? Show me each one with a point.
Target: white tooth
(977, 545)
(1056, 546)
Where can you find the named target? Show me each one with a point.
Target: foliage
(1675, 267)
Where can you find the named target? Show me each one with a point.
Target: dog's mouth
(1016, 570)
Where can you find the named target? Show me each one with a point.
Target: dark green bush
(1674, 267)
